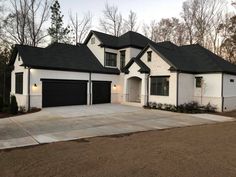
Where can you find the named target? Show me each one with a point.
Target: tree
(24, 22)
(229, 44)
(150, 31)
(38, 14)
(80, 28)
(112, 20)
(57, 32)
(131, 23)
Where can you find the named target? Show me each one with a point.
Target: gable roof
(60, 56)
(129, 39)
(143, 67)
(189, 58)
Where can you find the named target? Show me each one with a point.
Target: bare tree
(81, 27)
(112, 20)
(131, 23)
(24, 23)
(150, 30)
(38, 14)
(189, 12)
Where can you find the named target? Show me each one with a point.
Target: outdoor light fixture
(35, 85)
(114, 86)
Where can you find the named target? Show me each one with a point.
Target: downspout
(90, 87)
(222, 92)
(177, 90)
(147, 104)
(28, 89)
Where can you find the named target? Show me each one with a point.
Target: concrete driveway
(75, 122)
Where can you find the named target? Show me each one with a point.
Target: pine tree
(57, 32)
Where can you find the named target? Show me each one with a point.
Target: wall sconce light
(114, 86)
(35, 85)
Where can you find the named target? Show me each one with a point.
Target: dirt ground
(198, 151)
(228, 114)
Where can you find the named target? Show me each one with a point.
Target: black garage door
(101, 92)
(64, 92)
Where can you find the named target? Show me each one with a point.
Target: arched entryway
(134, 89)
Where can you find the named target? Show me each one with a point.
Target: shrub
(22, 109)
(1, 103)
(153, 105)
(13, 105)
(159, 106)
(210, 108)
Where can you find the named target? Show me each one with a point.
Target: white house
(129, 69)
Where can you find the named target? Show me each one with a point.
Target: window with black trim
(110, 59)
(93, 40)
(160, 85)
(19, 83)
(149, 56)
(231, 80)
(122, 59)
(198, 82)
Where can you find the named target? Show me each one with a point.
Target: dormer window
(149, 56)
(93, 40)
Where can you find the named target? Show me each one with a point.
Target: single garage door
(101, 92)
(64, 92)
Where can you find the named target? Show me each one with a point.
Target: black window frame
(231, 80)
(198, 82)
(19, 83)
(109, 61)
(158, 84)
(122, 58)
(149, 56)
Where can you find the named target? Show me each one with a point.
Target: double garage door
(73, 92)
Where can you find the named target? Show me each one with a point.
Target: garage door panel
(101, 92)
(64, 93)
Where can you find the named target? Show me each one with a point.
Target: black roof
(189, 58)
(129, 39)
(143, 68)
(60, 56)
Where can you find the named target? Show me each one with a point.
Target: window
(231, 80)
(149, 56)
(19, 83)
(122, 59)
(198, 82)
(110, 59)
(93, 40)
(160, 85)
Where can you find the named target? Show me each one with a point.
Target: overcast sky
(146, 10)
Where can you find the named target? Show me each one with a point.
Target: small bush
(1, 103)
(159, 106)
(22, 109)
(13, 105)
(153, 105)
(210, 108)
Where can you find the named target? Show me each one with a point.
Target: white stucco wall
(159, 67)
(210, 91)
(96, 49)
(229, 92)
(186, 88)
(21, 98)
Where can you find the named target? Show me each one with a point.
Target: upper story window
(198, 82)
(231, 80)
(93, 40)
(19, 83)
(149, 56)
(122, 59)
(110, 59)
(160, 85)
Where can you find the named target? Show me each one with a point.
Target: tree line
(26, 22)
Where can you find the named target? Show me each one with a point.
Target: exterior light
(35, 85)
(114, 86)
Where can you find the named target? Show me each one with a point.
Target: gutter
(177, 90)
(29, 89)
(90, 87)
(147, 104)
(222, 92)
